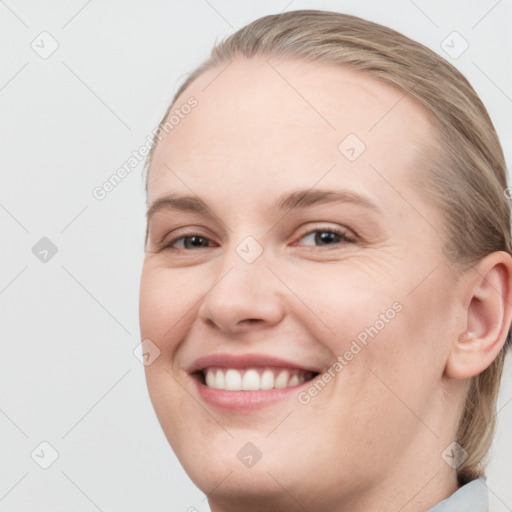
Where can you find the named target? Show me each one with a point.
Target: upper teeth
(254, 379)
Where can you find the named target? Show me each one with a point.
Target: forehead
(261, 124)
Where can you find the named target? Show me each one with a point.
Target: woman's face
(303, 250)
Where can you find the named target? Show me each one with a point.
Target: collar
(471, 497)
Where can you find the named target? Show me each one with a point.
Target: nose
(243, 296)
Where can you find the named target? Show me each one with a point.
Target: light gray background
(70, 325)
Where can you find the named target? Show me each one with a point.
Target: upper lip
(245, 361)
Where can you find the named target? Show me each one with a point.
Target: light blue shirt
(471, 497)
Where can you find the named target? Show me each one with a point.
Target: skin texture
(372, 439)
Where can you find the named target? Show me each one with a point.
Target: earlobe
(488, 317)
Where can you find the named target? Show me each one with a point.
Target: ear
(488, 310)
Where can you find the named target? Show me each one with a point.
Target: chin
(238, 489)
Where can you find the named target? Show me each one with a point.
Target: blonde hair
(466, 179)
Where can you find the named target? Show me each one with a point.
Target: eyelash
(345, 238)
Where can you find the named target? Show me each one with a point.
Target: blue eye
(195, 242)
(326, 237)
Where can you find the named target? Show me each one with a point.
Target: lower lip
(244, 400)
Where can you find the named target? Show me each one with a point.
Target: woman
(327, 272)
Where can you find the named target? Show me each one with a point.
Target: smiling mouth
(253, 379)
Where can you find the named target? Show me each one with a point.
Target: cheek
(166, 311)
(348, 305)
(380, 327)
(402, 365)
(164, 302)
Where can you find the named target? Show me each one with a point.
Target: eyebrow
(298, 199)
(306, 198)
